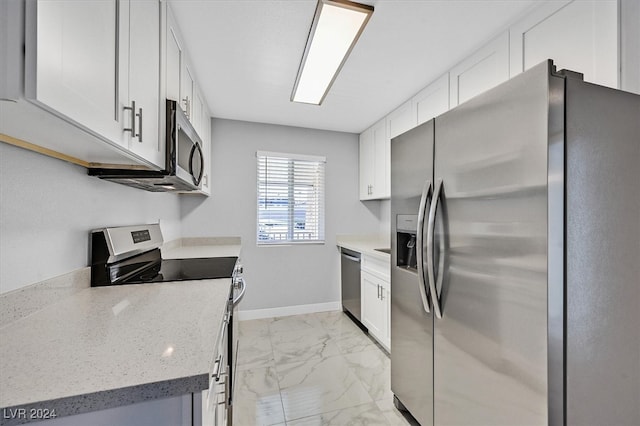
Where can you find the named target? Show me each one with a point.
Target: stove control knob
(238, 269)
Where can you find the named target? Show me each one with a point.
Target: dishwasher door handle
(352, 258)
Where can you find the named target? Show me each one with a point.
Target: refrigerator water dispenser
(406, 226)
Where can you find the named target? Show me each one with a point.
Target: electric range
(131, 255)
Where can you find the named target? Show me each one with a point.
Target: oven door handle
(243, 285)
(217, 366)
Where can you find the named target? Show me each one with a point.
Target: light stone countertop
(201, 247)
(109, 346)
(89, 349)
(365, 244)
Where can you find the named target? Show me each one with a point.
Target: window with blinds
(290, 198)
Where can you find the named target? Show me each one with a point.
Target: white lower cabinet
(375, 288)
(375, 307)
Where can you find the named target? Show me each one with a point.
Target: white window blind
(290, 198)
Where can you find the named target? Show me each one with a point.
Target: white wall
(385, 219)
(48, 207)
(283, 275)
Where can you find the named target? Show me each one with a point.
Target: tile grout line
(275, 369)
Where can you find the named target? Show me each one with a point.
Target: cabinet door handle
(378, 291)
(139, 125)
(187, 107)
(132, 108)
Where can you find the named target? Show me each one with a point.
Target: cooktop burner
(185, 269)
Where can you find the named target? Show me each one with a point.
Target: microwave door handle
(422, 285)
(173, 129)
(196, 147)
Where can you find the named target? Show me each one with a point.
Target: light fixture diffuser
(336, 27)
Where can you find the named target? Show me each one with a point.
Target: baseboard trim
(289, 310)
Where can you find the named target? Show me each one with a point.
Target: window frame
(319, 191)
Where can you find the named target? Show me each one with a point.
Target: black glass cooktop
(184, 269)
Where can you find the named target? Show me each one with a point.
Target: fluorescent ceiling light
(336, 26)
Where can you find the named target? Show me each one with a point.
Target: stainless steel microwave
(184, 164)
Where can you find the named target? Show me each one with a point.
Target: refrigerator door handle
(435, 298)
(427, 193)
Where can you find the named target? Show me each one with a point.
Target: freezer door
(411, 325)
(490, 233)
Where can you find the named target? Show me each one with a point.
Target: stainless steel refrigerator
(515, 271)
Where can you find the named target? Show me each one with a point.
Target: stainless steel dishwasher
(350, 275)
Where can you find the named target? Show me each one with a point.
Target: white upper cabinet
(381, 187)
(483, 70)
(172, 64)
(89, 61)
(599, 38)
(181, 86)
(401, 119)
(144, 79)
(375, 164)
(205, 186)
(72, 64)
(433, 100)
(186, 88)
(10, 50)
(202, 123)
(579, 35)
(198, 109)
(181, 83)
(366, 163)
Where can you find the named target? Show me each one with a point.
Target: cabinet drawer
(377, 267)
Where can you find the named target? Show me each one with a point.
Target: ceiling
(246, 53)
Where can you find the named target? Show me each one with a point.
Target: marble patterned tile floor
(311, 370)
